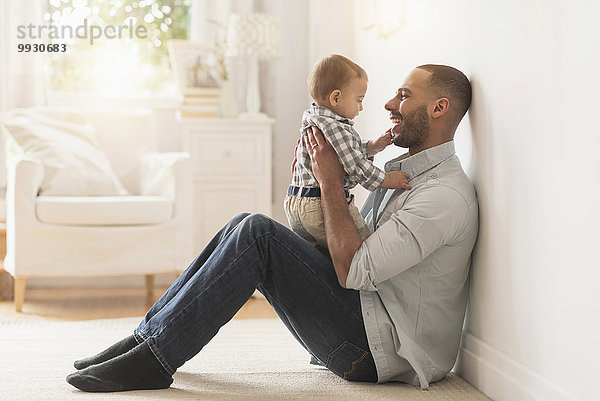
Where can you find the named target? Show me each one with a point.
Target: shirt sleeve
(430, 218)
(354, 160)
(365, 149)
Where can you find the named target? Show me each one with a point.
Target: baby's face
(350, 103)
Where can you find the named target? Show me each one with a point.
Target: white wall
(531, 146)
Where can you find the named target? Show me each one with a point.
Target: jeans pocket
(352, 363)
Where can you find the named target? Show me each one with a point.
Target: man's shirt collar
(425, 160)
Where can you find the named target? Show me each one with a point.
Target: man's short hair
(331, 73)
(449, 82)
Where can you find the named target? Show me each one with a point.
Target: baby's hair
(331, 73)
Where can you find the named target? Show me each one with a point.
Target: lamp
(255, 36)
(390, 17)
(387, 16)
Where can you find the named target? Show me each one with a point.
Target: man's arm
(342, 236)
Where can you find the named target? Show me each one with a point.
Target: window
(114, 48)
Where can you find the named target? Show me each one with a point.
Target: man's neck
(432, 141)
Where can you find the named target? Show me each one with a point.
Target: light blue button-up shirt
(413, 271)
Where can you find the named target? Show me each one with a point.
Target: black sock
(137, 369)
(114, 350)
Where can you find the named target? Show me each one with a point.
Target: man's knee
(258, 222)
(248, 222)
(239, 217)
(234, 222)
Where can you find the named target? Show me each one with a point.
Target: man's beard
(414, 129)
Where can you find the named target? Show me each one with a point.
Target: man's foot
(114, 350)
(137, 369)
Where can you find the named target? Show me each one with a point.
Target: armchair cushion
(103, 210)
(66, 145)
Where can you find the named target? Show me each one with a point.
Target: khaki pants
(305, 217)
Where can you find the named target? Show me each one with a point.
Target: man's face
(408, 111)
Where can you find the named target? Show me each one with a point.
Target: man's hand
(376, 146)
(325, 162)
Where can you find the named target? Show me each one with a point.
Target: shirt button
(434, 175)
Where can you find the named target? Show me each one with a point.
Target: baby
(337, 86)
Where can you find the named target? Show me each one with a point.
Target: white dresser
(231, 170)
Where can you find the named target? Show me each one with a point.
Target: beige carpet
(248, 360)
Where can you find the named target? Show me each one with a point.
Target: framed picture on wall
(196, 67)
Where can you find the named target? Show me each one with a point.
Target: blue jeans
(252, 252)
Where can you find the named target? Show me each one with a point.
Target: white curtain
(23, 71)
(21, 74)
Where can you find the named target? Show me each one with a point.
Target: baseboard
(501, 378)
(161, 280)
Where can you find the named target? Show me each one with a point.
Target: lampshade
(253, 35)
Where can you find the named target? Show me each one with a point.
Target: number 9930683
(41, 48)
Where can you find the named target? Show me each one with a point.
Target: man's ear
(440, 107)
(334, 97)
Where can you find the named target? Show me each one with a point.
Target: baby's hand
(380, 143)
(395, 180)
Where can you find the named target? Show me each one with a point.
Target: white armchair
(146, 232)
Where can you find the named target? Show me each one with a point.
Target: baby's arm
(376, 146)
(357, 164)
(396, 179)
(393, 179)
(352, 154)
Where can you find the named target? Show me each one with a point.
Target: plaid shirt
(352, 152)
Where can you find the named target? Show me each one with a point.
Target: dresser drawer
(231, 165)
(216, 203)
(240, 154)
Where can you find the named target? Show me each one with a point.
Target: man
(405, 322)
